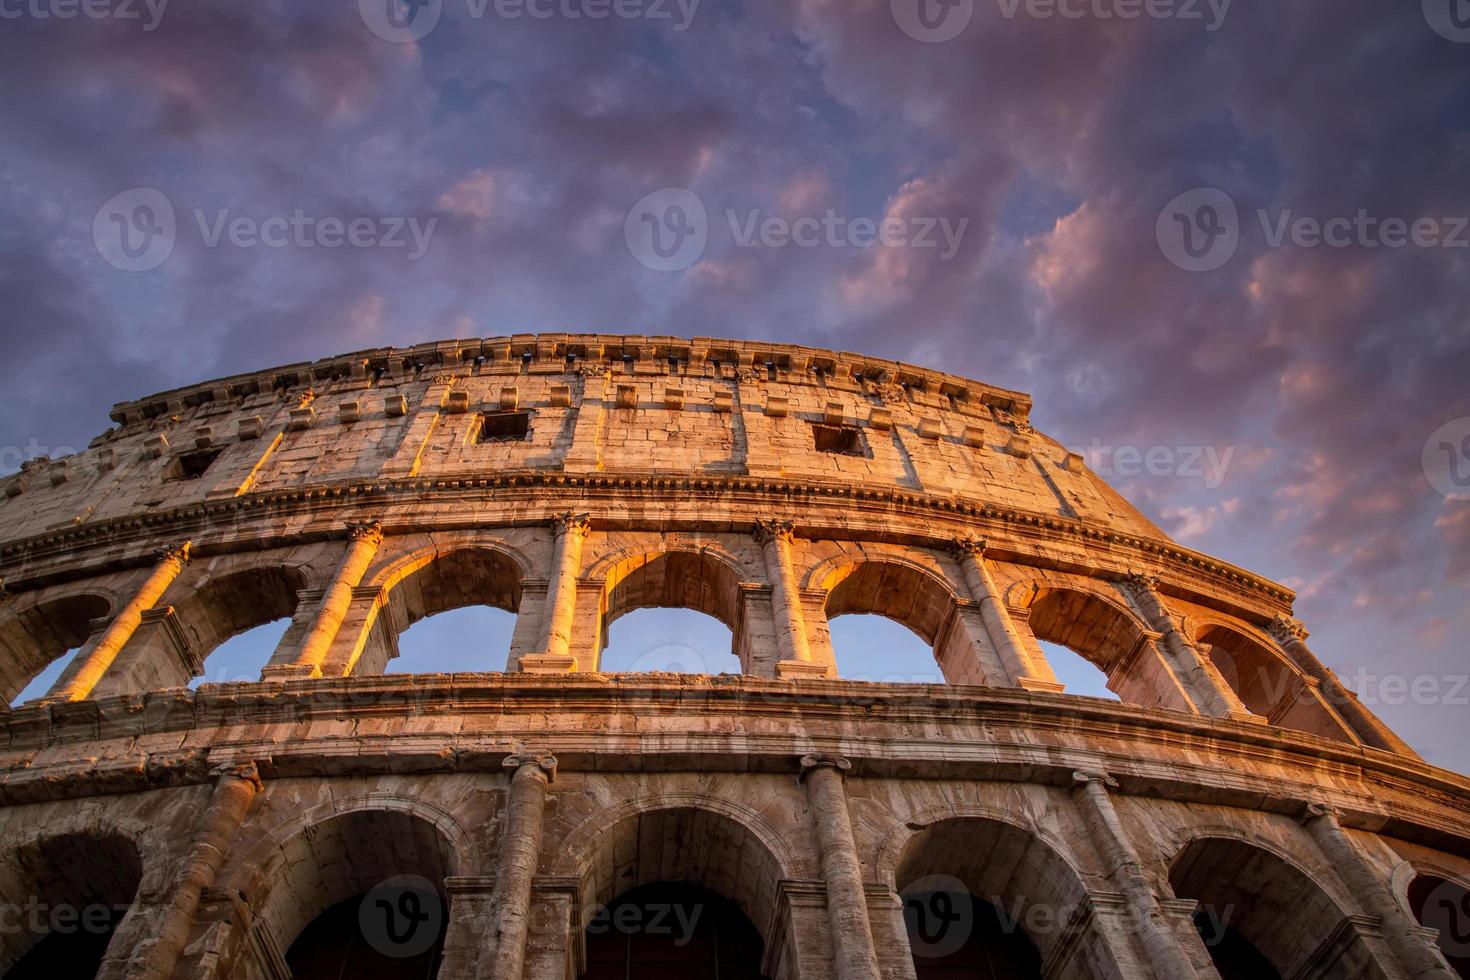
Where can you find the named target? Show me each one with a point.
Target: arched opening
(680, 857)
(876, 648)
(1261, 917)
(675, 641)
(1100, 634)
(692, 582)
(912, 599)
(36, 641)
(82, 886)
(1444, 905)
(469, 582)
(986, 899)
(672, 931)
(228, 606)
(1077, 674)
(470, 639)
(359, 895)
(1266, 684)
(241, 657)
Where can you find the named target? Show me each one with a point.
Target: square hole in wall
(504, 427)
(843, 440)
(192, 466)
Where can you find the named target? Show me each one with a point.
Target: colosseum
(1236, 813)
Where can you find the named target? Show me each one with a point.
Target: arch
(891, 586)
(704, 579)
(239, 599)
(677, 840)
(434, 580)
(1268, 683)
(331, 866)
(1097, 627)
(1004, 881)
(1257, 905)
(388, 573)
(82, 883)
(34, 635)
(1439, 899)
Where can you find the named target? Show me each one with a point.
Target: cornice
(197, 519)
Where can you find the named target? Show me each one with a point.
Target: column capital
(767, 531)
(968, 546)
(1315, 810)
(178, 554)
(1287, 630)
(573, 523)
(1084, 777)
(815, 761)
(546, 762)
(1141, 583)
(365, 531)
(246, 770)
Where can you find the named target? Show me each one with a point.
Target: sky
(1222, 244)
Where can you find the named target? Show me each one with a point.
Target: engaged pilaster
(363, 540)
(1292, 636)
(1022, 671)
(91, 663)
(1419, 957)
(520, 849)
(571, 532)
(775, 539)
(853, 951)
(1125, 871)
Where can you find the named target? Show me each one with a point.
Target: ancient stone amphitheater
(1237, 814)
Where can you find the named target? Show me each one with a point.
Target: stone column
(91, 663)
(1024, 672)
(775, 539)
(555, 641)
(853, 954)
(154, 959)
(362, 546)
(1292, 636)
(1125, 871)
(525, 816)
(1418, 955)
(1202, 682)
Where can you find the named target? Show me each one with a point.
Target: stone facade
(572, 479)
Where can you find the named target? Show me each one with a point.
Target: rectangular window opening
(843, 440)
(504, 426)
(192, 466)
